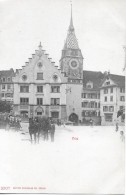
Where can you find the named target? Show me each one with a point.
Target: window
(39, 113)
(3, 79)
(92, 104)
(83, 95)
(108, 117)
(122, 90)
(9, 95)
(39, 101)
(98, 96)
(95, 104)
(55, 101)
(40, 89)
(105, 108)
(84, 104)
(111, 108)
(8, 86)
(111, 90)
(111, 98)
(105, 91)
(122, 98)
(105, 99)
(55, 89)
(93, 96)
(108, 83)
(3, 86)
(55, 114)
(24, 101)
(39, 76)
(2, 94)
(24, 89)
(8, 79)
(88, 86)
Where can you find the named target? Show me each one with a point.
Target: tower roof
(71, 40)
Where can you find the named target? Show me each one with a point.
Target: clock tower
(71, 64)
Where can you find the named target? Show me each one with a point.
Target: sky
(100, 27)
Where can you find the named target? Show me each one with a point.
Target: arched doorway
(39, 111)
(24, 115)
(73, 118)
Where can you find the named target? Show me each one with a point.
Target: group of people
(41, 127)
(8, 121)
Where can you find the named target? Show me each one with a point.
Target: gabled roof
(118, 79)
(93, 76)
(7, 73)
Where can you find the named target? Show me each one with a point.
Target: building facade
(6, 85)
(91, 96)
(112, 98)
(40, 88)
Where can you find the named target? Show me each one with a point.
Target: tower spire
(71, 27)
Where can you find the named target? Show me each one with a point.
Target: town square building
(65, 92)
(40, 88)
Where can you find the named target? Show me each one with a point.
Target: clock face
(73, 64)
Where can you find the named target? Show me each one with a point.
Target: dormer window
(89, 85)
(107, 83)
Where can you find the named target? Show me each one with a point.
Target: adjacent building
(6, 85)
(91, 96)
(112, 99)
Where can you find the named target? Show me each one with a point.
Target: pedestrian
(117, 126)
(91, 122)
(122, 136)
(52, 132)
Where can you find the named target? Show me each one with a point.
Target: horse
(39, 126)
(34, 129)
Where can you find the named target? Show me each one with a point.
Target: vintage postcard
(62, 96)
